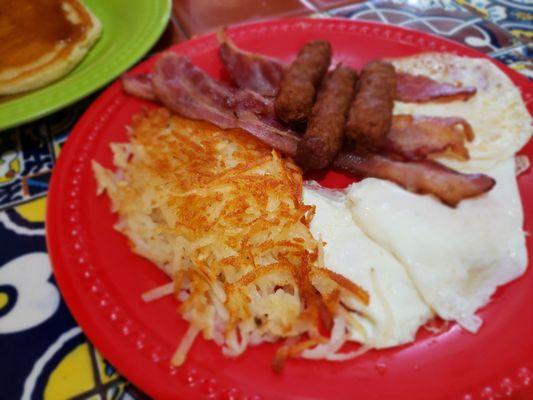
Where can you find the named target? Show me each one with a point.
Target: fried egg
(456, 257)
(396, 310)
(415, 255)
(497, 114)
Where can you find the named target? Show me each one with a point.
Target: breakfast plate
(102, 280)
(129, 29)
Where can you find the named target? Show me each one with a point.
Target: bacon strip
(201, 97)
(248, 70)
(419, 89)
(139, 85)
(224, 97)
(424, 177)
(263, 75)
(415, 137)
(189, 91)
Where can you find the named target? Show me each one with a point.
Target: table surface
(43, 353)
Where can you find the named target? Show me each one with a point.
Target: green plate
(129, 29)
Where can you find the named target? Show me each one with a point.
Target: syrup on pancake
(41, 40)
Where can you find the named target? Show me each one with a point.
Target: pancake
(42, 41)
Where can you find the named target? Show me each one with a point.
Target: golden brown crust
(222, 214)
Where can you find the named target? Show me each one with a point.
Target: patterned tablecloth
(43, 353)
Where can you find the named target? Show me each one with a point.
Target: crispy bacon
(189, 91)
(424, 177)
(415, 137)
(139, 85)
(419, 89)
(227, 107)
(248, 70)
(263, 75)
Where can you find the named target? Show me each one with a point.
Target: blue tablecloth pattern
(43, 353)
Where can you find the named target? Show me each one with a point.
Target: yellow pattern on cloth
(34, 211)
(72, 376)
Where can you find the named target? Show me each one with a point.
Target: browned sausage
(370, 115)
(298, 86)
(324, 135)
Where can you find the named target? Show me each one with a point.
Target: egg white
(497, 114)
(396, 310)
(456, 257)
(415, 256)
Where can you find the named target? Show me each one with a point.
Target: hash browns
(223, 216)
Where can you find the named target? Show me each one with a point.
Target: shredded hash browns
(223, 216)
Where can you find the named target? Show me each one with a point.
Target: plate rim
(114, 69)
(106, 101)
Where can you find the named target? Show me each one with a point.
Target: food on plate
(250, 70)
(324, 136)
(432, 229)
(41, 41)
(456, 257)
(263, 75)
(453, 258)
(496, 113)
(421, 89)
(370, 116)
(396, 310)
(222, 216)
(188, 91)
(423, 177)
(415, 137)
(298, 87)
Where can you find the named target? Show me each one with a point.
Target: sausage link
(370, 115)
(298, 86)
(324, 135)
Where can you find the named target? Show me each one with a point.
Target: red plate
(102, 280)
